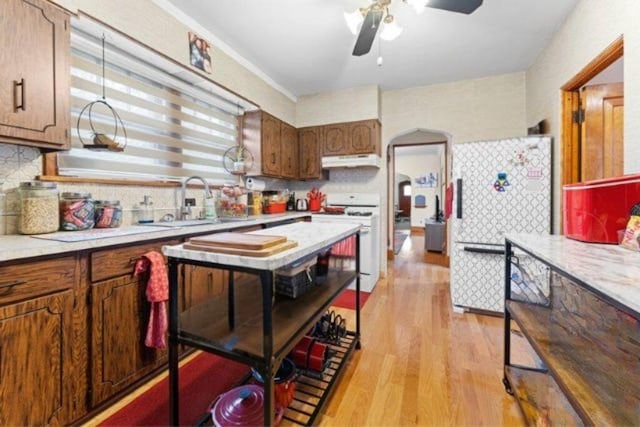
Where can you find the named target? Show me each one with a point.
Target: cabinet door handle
(23, 102)
(273, 158)
(12, 284)
(289, 162)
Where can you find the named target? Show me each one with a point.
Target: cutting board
(260, 253)
(238, 240)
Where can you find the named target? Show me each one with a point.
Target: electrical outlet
(190, 202)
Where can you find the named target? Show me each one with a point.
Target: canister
(108, 213)
(77, 211)
(38, 207)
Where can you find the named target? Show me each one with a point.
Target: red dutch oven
(284, 381)
(241, 406)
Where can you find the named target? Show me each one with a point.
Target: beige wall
(592, 26)
(146, 22)
(360, 103)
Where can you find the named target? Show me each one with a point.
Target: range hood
(351, 161)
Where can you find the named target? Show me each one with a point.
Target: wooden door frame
(570, 133)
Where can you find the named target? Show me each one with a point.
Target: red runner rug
(347, 299)
(201, 381)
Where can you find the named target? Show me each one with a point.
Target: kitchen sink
(183, 223)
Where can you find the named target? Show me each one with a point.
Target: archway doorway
(418, 173)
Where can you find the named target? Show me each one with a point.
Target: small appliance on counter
(595, 211)
(302, 205)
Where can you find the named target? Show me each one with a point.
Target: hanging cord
(103, 85)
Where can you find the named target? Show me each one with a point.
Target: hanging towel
(345, 248)
(157, 294)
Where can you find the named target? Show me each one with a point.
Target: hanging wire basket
(237, 160)
(100, 140)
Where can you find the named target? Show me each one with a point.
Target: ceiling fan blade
(461, 6)
(367, 32)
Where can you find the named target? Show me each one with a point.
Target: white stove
(364, 209)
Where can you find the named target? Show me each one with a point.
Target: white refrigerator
(501, 186)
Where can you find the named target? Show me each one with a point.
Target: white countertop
(610, 269)
(310, 236)
(14, 247)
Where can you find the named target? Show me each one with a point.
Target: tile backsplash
(19, 164)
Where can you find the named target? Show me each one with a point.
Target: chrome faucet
(185, 211)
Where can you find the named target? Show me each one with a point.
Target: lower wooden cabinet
(36, 377)
(119, 317)
(201, 283)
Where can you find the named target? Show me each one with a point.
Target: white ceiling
(305, 45)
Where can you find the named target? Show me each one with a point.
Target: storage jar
(77, 211)
(38, 207)
(108, 213)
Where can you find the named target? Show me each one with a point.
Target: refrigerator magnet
(501, 182)
(520, 157)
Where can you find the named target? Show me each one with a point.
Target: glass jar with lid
(38, 207)
(108, 213)
(77, 211)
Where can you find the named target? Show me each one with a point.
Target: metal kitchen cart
(261, 331)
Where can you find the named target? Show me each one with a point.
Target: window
(177, 123)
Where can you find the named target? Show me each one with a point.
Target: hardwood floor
(420, 363)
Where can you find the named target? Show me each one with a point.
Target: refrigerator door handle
(459, 198)
(484, 250)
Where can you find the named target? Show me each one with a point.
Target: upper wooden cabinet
(34, 74)
(290, 150)
(335, 140)
(273, 144)
(362, 137)
(310, 139)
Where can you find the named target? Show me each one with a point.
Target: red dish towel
(157, 294)
(345, 248)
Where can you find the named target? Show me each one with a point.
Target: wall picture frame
(199, 53)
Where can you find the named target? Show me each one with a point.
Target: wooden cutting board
(260, 253)
(238, 240)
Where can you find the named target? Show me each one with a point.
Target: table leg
(266, 277)
(174, 397)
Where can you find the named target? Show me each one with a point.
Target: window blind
(174, 128)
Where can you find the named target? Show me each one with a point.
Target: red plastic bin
(594, 211)
(275, 208)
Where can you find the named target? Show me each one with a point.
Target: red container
(314, 205)
(594, 211)
(273, 208)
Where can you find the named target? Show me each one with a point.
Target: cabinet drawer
(110, 263)
(24, 281)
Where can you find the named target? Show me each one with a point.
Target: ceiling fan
(370, 17)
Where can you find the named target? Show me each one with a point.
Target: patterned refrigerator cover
(505, 188)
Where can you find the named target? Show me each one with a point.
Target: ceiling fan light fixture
(354, 20)
(418, 5)
(390, 29)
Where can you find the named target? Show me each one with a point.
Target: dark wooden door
(119, 317)
(404, 199)
(34, 72)
(271, 153)
(36, 361)
(361, 136)
(289, 146)
(310, 143)
(335, 140)
(602, 133)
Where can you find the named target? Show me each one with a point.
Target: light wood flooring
(420, 363)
